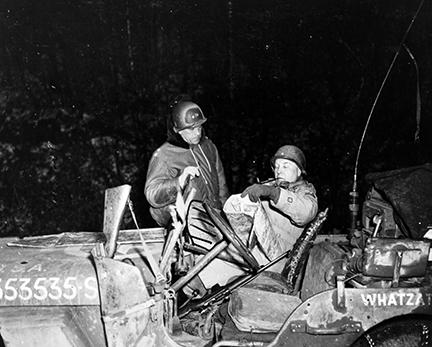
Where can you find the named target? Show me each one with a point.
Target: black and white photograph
(211, 173)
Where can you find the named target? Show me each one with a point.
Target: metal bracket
(156, 309)
(340, 286)
(396, 270)
(303, 327)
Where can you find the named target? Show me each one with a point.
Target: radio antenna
(354, 201)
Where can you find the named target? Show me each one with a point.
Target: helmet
(292, 153)
(187, 114)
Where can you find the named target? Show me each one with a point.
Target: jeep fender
(339, 317)
(131, 316)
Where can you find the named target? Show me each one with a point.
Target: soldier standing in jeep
(187, 159)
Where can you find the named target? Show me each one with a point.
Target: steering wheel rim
(231, 236)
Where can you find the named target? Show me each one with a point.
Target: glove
(258, 191)
(191, 171)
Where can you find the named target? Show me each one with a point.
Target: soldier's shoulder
(168, 148)
(302, 185)
(207, 142)
(308, 184)
(161, 151)
(308, 188)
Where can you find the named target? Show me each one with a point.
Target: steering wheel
(231, 236)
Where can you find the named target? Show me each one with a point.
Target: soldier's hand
(258, 191)
(191, 171)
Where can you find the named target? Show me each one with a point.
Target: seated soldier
(289, 201)
(275, 212)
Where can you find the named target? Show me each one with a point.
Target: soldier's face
(286, 170)
(191, 136)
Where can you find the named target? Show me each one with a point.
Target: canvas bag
(250, 222)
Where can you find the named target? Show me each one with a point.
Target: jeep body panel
(339, 316)
(51, 326)
(53, 292)
(47, 277)
(48, 292)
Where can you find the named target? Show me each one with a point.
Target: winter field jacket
(297, 206)
(165, 167)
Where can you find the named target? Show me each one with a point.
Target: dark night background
(85, 88)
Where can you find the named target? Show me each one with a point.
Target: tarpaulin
(409, 191)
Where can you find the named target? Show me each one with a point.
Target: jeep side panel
(341, 315)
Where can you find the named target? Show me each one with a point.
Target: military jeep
(142, 287)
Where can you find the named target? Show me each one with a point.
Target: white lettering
(397, 299)
(419, 300)
(25, 292)
(10, 292)
(410, 301)
(392, 300)
(71, 287)
(382, 299)
(368, 299)
(41, 292)
(54, 287)
(17, 269)
(37, 267)
(91, 285)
